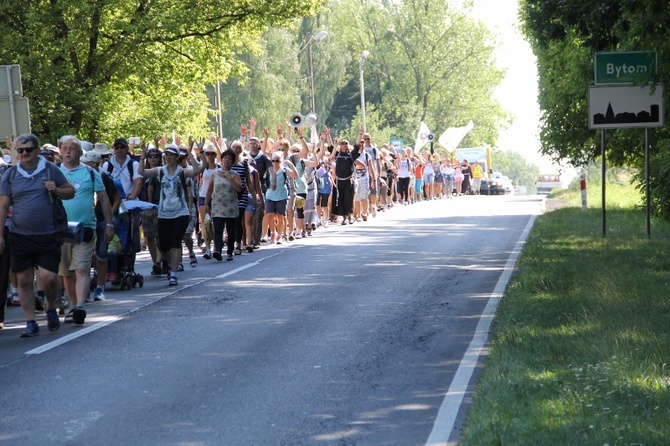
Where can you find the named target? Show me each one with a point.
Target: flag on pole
(453, 136)
(422, 137)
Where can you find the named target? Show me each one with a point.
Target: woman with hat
(210, 155)
(173, 211)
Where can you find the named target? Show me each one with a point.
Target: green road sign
(626, 67)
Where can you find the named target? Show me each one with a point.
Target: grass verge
(581, 341)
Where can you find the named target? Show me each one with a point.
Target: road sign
(625, 67)
(625, 106)
(10, 77)
(21, 115)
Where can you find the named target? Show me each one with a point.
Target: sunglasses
(119, 147)
(276, 161)
(153, 155)
(210, 154)
(26, 149)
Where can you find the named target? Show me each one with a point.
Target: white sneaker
(264, 239)
(207, 255)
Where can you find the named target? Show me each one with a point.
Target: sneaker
(99, 294)
(265, 239)
(364, 217)
(299, 235)
(249, 248)
(291, 237)
(193, 259)
(344, 222)
(172, 280)
(217, 255)
(156, 269)
(278, 241)
(180, 267)
(79, 315)
(52, 320)
(229, 258)
(32, 329)
(89, 298)
(207, 255)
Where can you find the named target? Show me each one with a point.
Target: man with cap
(121, 167)
(124, 171)
(93, 159)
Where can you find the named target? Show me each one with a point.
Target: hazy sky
(518, 91)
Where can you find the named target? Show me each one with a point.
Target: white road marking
(446, 416)
(110, 320)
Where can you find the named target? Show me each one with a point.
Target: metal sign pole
(648, 188)
(10, 90)
(604, 171)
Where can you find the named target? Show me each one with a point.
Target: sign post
(618, 104)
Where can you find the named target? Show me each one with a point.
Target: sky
(518, 91)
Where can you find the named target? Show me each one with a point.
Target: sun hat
(91, 157)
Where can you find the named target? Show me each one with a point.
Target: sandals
(69, 318)
(249, 248)
(194, 260)
(238, 251)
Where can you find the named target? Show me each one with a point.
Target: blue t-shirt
(81, 208)
(280, 192)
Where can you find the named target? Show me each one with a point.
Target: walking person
(221, 204)
(75, 261)
(173, 211)
(34, 238)
(344, 160)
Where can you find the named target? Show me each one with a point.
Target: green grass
(581, 344)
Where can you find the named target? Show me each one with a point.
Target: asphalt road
(349, 337)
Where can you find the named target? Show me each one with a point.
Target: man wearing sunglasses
(34, 238)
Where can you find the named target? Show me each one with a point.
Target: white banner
(422, 137)
(453, 136)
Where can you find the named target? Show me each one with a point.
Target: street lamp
(316, 38)
(364, 56)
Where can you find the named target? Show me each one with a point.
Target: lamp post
(316, 38)
(364, 56)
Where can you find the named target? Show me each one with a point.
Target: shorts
(322, 200)
(150, 223)
(29, 251)
(363, 189)
(429, 179)
(251, 206)
(75, 257)
(171, 232)
(418, 186)
(275, 207)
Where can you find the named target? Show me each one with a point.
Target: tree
(429, 62)
(564, 35)
(91, 67)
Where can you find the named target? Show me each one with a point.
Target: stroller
(127, 229)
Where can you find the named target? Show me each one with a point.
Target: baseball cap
(91, 157)
(120, 142)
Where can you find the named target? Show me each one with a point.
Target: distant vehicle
(547, 182)
(498, 184)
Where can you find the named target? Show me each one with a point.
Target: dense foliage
(100, 68)
(565, 35)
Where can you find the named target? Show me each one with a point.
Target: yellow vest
(477, 171)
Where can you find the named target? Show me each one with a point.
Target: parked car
(494, 185)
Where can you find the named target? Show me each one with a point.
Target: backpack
(325, 184)
(143, 196)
